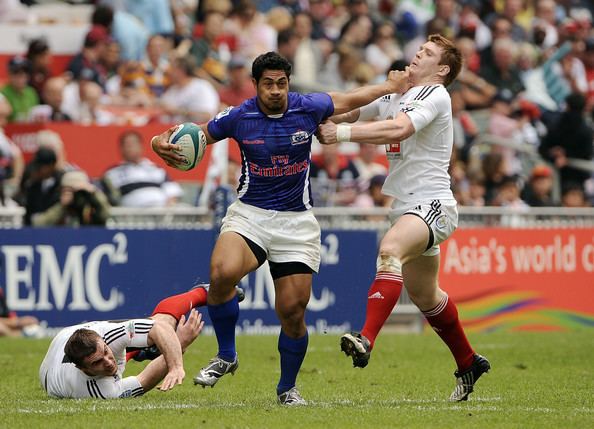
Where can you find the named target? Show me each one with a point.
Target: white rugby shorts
(285, 236)
(441, 216)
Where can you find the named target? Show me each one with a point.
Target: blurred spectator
(52, 140)
(73, 94)
(209, 55)
(92, 112)
(476, 191)
(366, 165)
(81, 203)
(11, 159)
(539, 190)
(339, 73)
(240, 86)
(570, 137)
(41, 184)
(512, 10)
(253, 34)
(503, 73)
(494, 169)
(156, 66)
(501, 28)
(471, 25)
(308, 59)
(18, 93)
(503, 124)
(588, 59)
(188, 98)
(279, 18)
(546, 84)
(288, 43)
(154, 14)
(13, 11)
(465, 128)
(130, 33)
(40, 59)
(87, 61)
(137, 181)
(508, 194)
(110, 61)
(357, 32)
(572, 195)
(53, 96)
(12, 325)
(474, 90)
(544, 24)
(373, 197)
(319, 11)
(384, 49)
(335, 176)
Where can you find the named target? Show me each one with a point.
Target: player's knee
(387, 262)
(222, 276)
(291, 313)
(424, 300)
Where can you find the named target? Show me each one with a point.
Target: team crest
(223, 113)
(300, 137)
(441, 222)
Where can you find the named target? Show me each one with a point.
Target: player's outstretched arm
(167, 151)
(397, 82)
(380, 132)
(187, 331)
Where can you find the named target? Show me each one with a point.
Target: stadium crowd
(523, 105)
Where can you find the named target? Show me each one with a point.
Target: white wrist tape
(343, 133)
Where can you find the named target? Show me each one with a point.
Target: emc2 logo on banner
(79, 275)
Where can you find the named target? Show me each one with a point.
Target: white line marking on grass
(118, 405)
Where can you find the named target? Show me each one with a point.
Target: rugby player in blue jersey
(272, 218)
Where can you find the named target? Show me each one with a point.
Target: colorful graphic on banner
(505, 279)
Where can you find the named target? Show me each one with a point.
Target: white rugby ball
(192, 142)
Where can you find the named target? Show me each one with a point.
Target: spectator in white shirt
(188, 98)
(137, 181)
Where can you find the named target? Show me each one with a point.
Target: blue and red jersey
(275, 149)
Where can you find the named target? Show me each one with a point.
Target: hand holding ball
(192, 145)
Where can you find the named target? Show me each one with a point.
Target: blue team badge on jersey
(224, 113)
(300, 137)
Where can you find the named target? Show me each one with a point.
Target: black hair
(576, 102)
(102, 15)
(270, 61)
(285, 36)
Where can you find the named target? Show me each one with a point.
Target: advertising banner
(526, 279)
(67, 276)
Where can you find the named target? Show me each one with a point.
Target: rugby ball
(192, 142)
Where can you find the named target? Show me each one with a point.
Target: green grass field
(537, 380)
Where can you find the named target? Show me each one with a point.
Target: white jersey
(418, 165)
(62, 379)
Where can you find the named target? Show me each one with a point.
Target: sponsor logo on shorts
(441, 222)
(248, 142)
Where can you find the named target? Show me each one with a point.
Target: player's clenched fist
(326, 133)
(399, 80)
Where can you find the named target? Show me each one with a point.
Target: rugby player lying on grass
(88, 360)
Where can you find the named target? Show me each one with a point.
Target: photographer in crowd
(80, 203)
